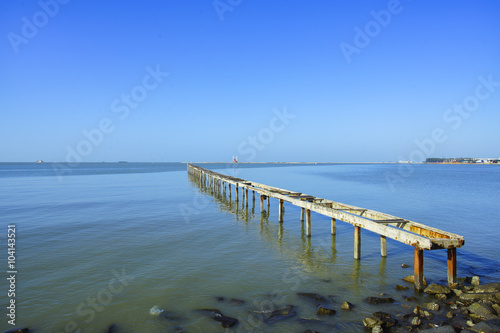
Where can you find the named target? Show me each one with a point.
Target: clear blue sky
(351, 80)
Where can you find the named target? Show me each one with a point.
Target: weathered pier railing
(420, 236)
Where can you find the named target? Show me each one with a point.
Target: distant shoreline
(285, 163)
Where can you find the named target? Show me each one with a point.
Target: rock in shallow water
(488, 288)
(442, 329)
(489, 326)
(317, 299)
(18, 330)
(411, 279)
(481, 309)
(379, 300)
(113, 328)
(437, 289)
(281, 314)
(346, 306)
(322, 311)
(217, 315)
(236, 301)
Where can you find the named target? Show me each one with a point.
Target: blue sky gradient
(326, 81)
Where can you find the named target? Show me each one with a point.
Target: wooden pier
(420, 236)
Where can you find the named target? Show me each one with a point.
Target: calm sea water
(102, 244)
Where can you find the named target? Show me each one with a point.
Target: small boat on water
(39, 161)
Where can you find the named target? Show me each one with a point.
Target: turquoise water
(102, 244)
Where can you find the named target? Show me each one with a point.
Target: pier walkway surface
(420, 236)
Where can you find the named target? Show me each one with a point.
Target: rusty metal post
(419, 269)
(383, 246)
(357, 242)
(280, 211)
(246, 197)
(452, 266)
(237, 192)
(229, 190)
(261, 203)
(268, 205)
(308, 223)
(333, 227)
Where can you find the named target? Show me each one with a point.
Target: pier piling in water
(420, 236)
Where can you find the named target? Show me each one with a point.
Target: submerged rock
(236, 301)
(113, 328)
(318, 324)
(409, 298)
(411, 279)
(317, 299)
(217, 315)
(18, 330)
(400, 287)
(167, 315)
(489, 326)
(281, 314)
(379, 300)
(441, 329)
(322, 311)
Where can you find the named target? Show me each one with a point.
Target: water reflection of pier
(315, 258)
(322, 258)
(420, 236)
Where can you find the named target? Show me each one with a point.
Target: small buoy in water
(155, 311)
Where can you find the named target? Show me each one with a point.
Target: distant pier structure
(420, 236)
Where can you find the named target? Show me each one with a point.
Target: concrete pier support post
(302, 213)
(419, 269)
(357, 242)
(308, 223)
(333, 227)
(452, 266)
(383, 246)
(280, 211)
